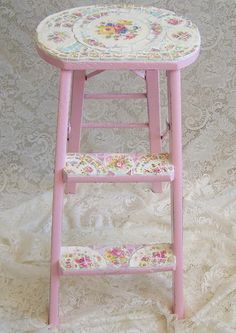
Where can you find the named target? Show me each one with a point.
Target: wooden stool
(144, 40)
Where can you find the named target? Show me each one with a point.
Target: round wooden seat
(117, 33)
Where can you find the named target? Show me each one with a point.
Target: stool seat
(113, 33)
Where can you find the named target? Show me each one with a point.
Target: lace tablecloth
(99, 214)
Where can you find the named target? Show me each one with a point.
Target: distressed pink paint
(154, 115)
(115, 96)
(116, 179)
(141, 74)
(115, 125)
(174, 91)
(76, 118)
(92, 74)
(120, 271)
(58, 190)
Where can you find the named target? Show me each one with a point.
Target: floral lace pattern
(77, 258)
(118, 164)
(114, 32)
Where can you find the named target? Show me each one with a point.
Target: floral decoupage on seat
(117, 32)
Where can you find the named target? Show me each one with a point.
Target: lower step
(118, 167)
(126, 259)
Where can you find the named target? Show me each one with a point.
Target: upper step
(117, 167)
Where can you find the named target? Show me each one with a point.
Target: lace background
(117, 213)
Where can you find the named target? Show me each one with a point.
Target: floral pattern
(58, 36)
(156, 29)
(117, 32)
(150, 164)
(118, 164)
(174, 21)
(152, 255)
(124, 257)
(94, 42)
(122, 28)
(80, 258)
(116, 255)
(182, 35)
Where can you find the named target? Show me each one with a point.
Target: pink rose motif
(156, 29)
(130, 36)
(159, 255)
(117, 252)
(78, 14)
(120, 163)
(157, 170)
(68, 263)
(88, 169)
(174, 21)
(145, 258)
(120, 28)
(83, 262)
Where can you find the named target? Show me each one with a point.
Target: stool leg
(58, 191)
(154, 116)
(76, 118)
(174, 90)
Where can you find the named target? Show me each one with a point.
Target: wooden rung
(164, 134)
(141, 74)
(115, 125)
(94, 73)
(125, 259)
(115, 96)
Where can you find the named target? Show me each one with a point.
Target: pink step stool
(83, 42)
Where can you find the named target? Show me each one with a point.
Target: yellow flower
(106, 30)
(143, 264)
(124, 22)
(109, 256)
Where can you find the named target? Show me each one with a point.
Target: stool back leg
(174, 92)
(58, 191)
(154, 115)
(76, 118)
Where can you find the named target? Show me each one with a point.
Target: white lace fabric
(121, 213)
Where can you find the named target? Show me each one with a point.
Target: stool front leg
(174, 92)
(154, 116)
(76, 118)
(58, 192)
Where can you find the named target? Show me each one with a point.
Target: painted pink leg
(154, 115)
(76, 118)
(174, 91)
(58, 191)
